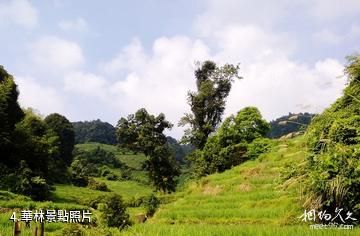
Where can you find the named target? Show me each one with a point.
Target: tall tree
(144, 132)
(10, 114)
(64, 129)
(208, 102)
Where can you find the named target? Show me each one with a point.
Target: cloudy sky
(105, 59)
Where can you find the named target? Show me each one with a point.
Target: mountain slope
(250, 199)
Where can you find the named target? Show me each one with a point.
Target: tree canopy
(207, 104)
(94, 131)
(144, 132)
(64, 129)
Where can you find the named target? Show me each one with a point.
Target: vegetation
(289, 124)
(229, 146)
(65, 131)
(207, 104)
(114, 213)
(243, 182)
(144, 132)
(332, 170)
(94, 131)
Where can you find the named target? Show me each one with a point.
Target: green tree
(144, 132)
(10, 114)
(114, 212)
(94, 131)
(208, 102)
(246, 126)
(229, 145)
(36, 144)
(64, 129)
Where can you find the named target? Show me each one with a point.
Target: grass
(134, 161)
(249, 199)
(82, 195)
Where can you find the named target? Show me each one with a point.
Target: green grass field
(250, 199)
(132, 160)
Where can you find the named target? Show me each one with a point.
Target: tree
(10, 114)
(229, 146)
(94, 131)
(245, 127)
(208, 102)
(114, 212)
(144, 132)
(64, 129)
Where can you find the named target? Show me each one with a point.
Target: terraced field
(250, 199)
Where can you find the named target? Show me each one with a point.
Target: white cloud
(19, 12)
(132, 57)
(283, 86)
(45, 99)
(157, 81)
(86, 84)
(55, 54)
(328, 37)
(78, 24)
(333, 9)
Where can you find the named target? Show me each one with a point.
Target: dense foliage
(65, 131)
(208, 102)
(229, 145)
(94, 131)
(144, 132)
(179, 151)
(334, 141)
(114, 212)
(289, 124)
(10, 114)
(94, 163)
(32, 149)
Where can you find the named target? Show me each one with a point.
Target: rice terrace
(179, 118)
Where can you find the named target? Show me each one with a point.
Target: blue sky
(106, 59)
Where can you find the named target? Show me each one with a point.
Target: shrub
(125, 174)
(80, 181)
(40, 190)
(72, 230)
(258, 147)
(94, 185)
(151, 204)
(113, 212)
(111, 176)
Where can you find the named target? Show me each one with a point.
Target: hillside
(69, 197)
(250, 199)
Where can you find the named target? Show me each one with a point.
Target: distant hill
(180, 151)
(289, 123)
(94, 131)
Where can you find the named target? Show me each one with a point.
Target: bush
(113, 212)
(125, 174)
(80, 181)
(258, 147)
(72, 230)
(151, 204)
(94, 185)
(111, 176)
(332, 171)
(40, 190)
